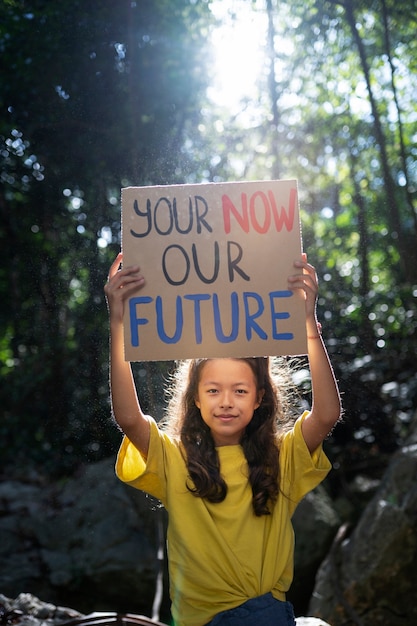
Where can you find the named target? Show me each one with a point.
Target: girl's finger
(115, 265)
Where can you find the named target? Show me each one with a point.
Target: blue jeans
(262, 611)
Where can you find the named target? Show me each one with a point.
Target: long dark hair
(260, 441)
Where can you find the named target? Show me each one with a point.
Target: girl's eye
(241, 392)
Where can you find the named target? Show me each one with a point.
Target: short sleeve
(145, 473)
(300, 470)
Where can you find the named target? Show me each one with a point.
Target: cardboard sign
(216, 258)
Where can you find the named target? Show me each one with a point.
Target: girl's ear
(197, 403)
(261, 394)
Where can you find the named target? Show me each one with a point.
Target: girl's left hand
(306, 281)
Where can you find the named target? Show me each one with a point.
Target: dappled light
(96, 97)
(274, 90)
(238, 40)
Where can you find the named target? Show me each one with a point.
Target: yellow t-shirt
(221, 555)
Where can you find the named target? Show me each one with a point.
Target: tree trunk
(273, 92)
(407, 252)
(403, 151)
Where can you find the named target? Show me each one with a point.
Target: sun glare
(238, 43)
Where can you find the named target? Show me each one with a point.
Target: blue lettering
(197, 298)
(283, 315)
(249, 305)
(251, 325)
(235, 319)
(179, 321)
(137, 321)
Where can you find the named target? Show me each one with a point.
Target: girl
(227, 470)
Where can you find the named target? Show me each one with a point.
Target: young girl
(228, 471)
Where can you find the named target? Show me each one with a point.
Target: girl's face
(227, 396)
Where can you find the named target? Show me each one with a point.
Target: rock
(315, 524)
(29, 610)
(90, 542)
(369, 577)
(310, 621)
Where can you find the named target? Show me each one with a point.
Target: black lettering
(190, 217)
(233, 263)
(169, 279)
(171, 220)
(200, 216)
(216, 264)
(146, 214)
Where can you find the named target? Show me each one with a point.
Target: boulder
(369, 576)
(28, 610)
(315, 525)
(310, 621)
(89, 541)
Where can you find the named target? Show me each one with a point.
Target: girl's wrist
(315, 332)
(116, 325)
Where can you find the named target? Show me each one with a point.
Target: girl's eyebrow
(213, 382)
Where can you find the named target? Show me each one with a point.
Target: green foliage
(99, 95)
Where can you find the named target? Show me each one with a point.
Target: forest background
(99, 95)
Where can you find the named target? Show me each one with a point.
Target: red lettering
(229, 207)
(267, 219)
(283, 218)
(259, 215)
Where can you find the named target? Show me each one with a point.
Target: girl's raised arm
(326, 405)
(125, 404)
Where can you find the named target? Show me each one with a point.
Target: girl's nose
(226, 400)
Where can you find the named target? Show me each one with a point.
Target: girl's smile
(227, 397)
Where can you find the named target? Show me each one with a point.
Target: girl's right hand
(121, 283)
